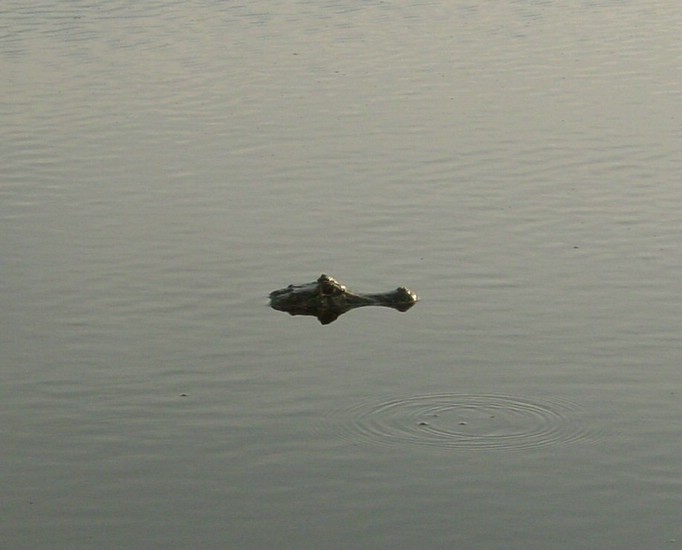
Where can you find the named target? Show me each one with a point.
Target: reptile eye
(327, 289)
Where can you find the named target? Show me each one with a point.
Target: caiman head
(326, 299)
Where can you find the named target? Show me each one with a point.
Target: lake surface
(165, 165)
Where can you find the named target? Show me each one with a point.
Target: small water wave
(463, 421)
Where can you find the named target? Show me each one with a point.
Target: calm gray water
(165, 165)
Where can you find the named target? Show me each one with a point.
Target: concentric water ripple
(464, 421)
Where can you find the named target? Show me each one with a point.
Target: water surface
(167, 164)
